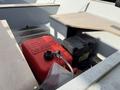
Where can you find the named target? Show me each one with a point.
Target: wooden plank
(87, 21)
(15, 73)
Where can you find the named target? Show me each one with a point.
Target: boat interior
(94, 21)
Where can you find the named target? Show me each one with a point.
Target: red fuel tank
(34, 51)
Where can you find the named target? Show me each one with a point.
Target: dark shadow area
(117, 3)
(72, 31)
(110, 0)
(19, 18)
(102, 48)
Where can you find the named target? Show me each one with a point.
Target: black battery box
(80, 46)
(117, 3)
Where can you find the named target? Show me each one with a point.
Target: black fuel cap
(48, 55)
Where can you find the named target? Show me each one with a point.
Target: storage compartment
(41, 54)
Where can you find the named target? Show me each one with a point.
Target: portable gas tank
(39, 53)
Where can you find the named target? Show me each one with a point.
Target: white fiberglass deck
(15, 73)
